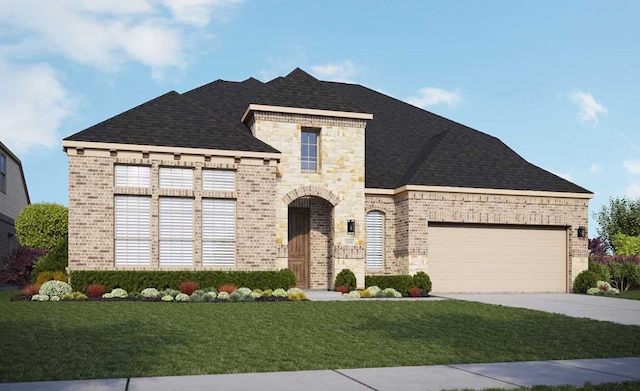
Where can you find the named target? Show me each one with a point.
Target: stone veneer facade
(339, 180)
(91, 208)
(408, 214)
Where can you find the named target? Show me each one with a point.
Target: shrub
(171, 292)
(342, 289)
(296, 294)
(67, 297)
(373, 290)
(31, 289)
(585, 280)
(167, 298)
(600, 269)
(625, 244)
(54, 298)
(346, 278)
(95, 290)
(182, 297)
(42, 225)
(603, 288)
(414, 291)
(624, 274)
(150, 293)
(55, 288)
(592, 291)
(188, 287)
(279, 293)
(16, 266)
(400, 282)
(119, 293)
(211, 296)
(365, 294)
(388, 293)
(421, 280)
(229, 288)
(257, 293)
(40, 298)
(223, 296)
(49, 276)
(138, 280)
(134, 295)
(80, 296)
(267, 293)
(241, 294)
(55, 260)
(352, 295)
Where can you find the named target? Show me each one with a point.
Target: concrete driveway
(622, 311)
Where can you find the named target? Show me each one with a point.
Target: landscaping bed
(86, 339)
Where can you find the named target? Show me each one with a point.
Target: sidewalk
(438, 377)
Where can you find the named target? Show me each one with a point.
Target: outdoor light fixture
(351, 227)
(582, 231)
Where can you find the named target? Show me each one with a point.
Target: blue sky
(556, 81)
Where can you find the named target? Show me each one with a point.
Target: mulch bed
(147, 299)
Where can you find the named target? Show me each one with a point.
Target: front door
(299, 245)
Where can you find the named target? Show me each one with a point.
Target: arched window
(375, 239)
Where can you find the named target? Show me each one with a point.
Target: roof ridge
(429, 146)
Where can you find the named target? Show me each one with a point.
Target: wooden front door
(299, 245)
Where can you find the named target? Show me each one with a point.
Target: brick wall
(91, 211)
(415, 209)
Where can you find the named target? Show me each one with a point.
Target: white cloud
(102, 34)
(342, 72)
(33, 104)
(632, 166)
(589, 108)
(430, 96)
(596, 168)
(633, 190)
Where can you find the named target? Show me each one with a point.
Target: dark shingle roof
(299, 89)
(405, 145)
(174, 121)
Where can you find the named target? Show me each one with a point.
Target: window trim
(205, 263)
(169, 239)
(383, 218)
(318, 154)
(117, 238)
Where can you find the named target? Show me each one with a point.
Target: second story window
(176, 178)
(309, 151)
(3, 173)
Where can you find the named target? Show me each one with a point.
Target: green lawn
(634, 295)
(78, 340)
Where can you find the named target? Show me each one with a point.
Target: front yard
(634, 295)
(80, 340)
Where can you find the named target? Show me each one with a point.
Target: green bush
(624, 274)
(42, 225)
(422, 281)
(585, 280)
(346, 278)
(139, 280)
(625, 244)
(400, 282)
(55, 260)
(600, 269)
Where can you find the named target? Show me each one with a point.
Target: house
(317, 176)
(14, 196)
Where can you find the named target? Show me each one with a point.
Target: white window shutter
(218, 232)
(132, 230)
(176, 178)
(132, 176)
(222, 180)
(176, 231)
(375, 239)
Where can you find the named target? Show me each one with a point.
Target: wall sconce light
(582, 231)
(351, 227)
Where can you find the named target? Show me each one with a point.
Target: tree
(598, 246)
(620, 216)
(42, 225)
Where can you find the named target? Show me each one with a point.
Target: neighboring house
(14, 196)
(317, 176)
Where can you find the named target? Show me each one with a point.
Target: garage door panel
(475, 258)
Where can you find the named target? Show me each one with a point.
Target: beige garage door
(489, 258)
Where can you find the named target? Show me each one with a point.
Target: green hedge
(136, 281)
(55, 260)
(400, 282)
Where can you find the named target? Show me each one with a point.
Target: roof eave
(297, 110)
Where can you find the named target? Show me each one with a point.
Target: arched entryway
(310, 233)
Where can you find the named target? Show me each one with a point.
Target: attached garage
(497, 258)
